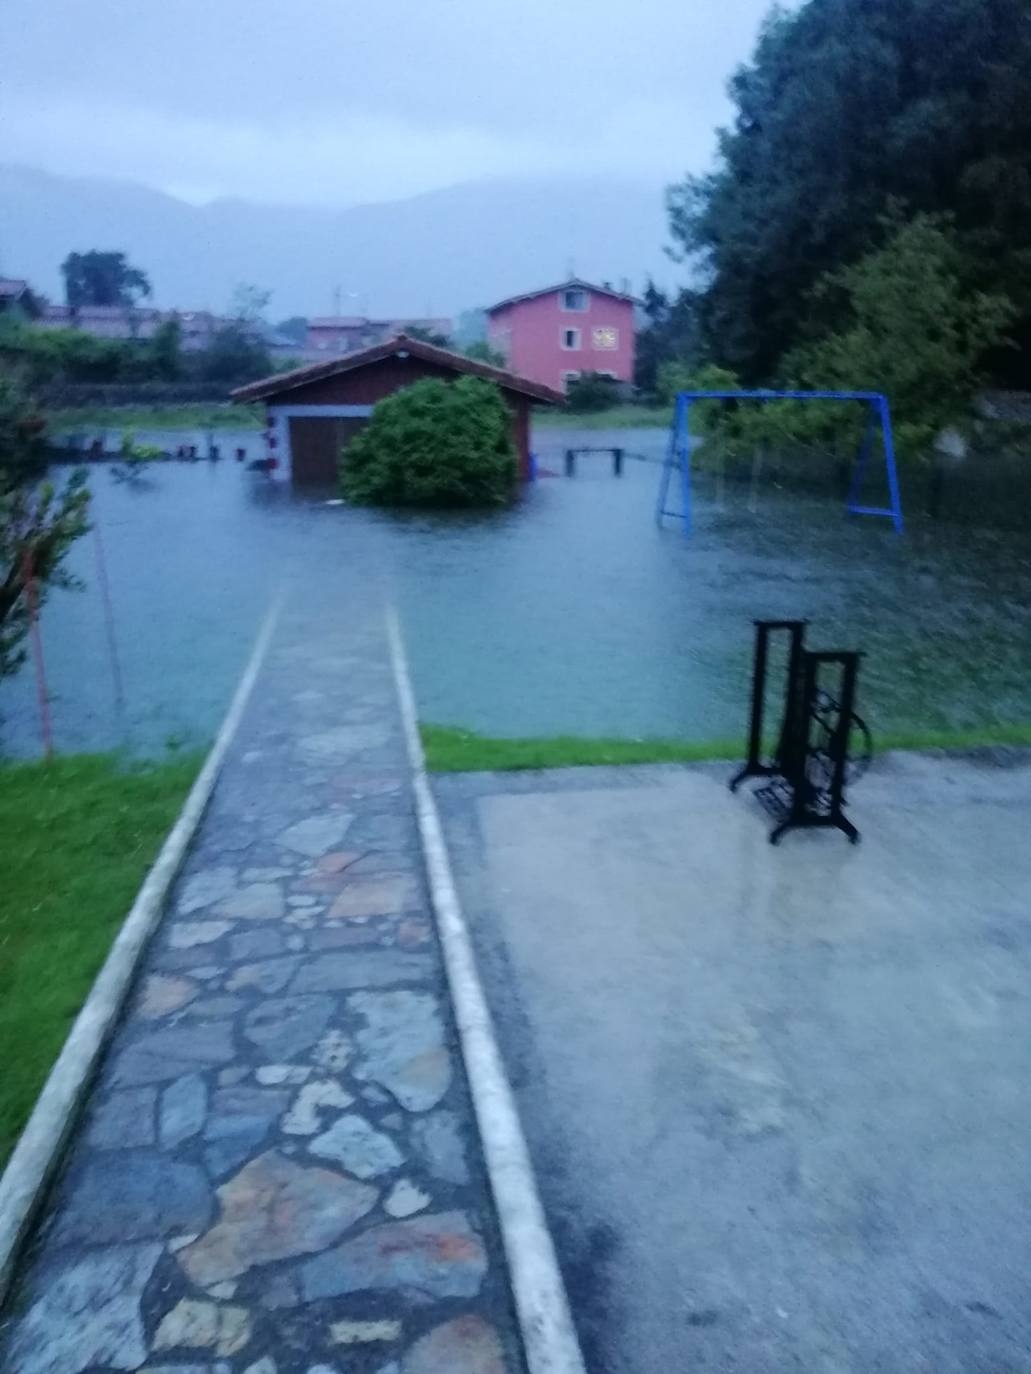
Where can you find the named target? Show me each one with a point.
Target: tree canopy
(909, 325)
(101, 278)
(847, 109)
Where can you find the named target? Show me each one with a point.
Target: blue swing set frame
(678, 453)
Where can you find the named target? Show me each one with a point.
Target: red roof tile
(429, 353)
(573, 283)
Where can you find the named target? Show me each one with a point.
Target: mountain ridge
(438, 252)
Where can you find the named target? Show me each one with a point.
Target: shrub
(913, 326)
(434, 443)
(22, 432)
(38, 522)
(592, 391)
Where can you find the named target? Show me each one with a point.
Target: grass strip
(617, 417)
(77, 837)
(186, 416)
(453, 750)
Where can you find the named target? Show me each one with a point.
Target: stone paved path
(278, 1173)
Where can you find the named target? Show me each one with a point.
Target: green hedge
(434, 443)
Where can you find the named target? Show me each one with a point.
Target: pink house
(554, 335)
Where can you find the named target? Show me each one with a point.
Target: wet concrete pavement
(776, 1098)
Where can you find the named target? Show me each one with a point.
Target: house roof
(397, 326)
(338, 322)
(115, 312)
(564, 286)
(400, 345)
(12, 287)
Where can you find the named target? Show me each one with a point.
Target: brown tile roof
(572, 284)
(429, 353)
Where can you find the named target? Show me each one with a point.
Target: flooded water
(570, 613)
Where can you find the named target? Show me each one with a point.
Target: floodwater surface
(570, 613)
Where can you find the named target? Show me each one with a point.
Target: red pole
(31, 596)
(109, 620)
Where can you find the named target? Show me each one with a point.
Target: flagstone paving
(277, 1172)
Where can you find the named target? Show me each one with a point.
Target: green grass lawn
(76, 839)
(450, 750)
(158, 417)
(213, 416)
(618, 417)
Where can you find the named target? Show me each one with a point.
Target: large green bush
(434, 443)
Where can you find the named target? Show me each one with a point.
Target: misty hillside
(436, 253)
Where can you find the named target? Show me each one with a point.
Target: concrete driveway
(779, 1099)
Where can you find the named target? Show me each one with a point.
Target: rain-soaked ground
(570, 613)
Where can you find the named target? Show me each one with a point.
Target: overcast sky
(344, 101)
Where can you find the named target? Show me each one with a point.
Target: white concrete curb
(38, 1151)
(549, 1337)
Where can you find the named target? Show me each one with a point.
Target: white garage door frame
(279, 418)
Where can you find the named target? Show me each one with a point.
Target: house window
(571, 339)
(605, 337)
(574, 299)
(568, 377)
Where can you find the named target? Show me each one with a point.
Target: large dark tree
(848, 108)
(97, 278)
(670, 335)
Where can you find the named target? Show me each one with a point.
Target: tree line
(866, 222)
(237, 352)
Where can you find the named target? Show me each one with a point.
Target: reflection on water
(570, 613)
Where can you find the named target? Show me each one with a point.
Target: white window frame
(575, 291)
(571, 347)
(614, 347)
(572, 375)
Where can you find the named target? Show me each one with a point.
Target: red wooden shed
(314, 411)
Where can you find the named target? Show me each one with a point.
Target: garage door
(316, 443)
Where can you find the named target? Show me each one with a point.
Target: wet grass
(76, 839)
(195, 416)
(452, 750)
(618, 417)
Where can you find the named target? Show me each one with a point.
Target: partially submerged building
(314, 411)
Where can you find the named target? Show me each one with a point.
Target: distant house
(314, 411)
(197, 328)
(558, 333)
(104, 321)
(17, 299)
(336, 335)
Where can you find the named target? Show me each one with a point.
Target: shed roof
(399, 346)
(12, 287)
(571, 283)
